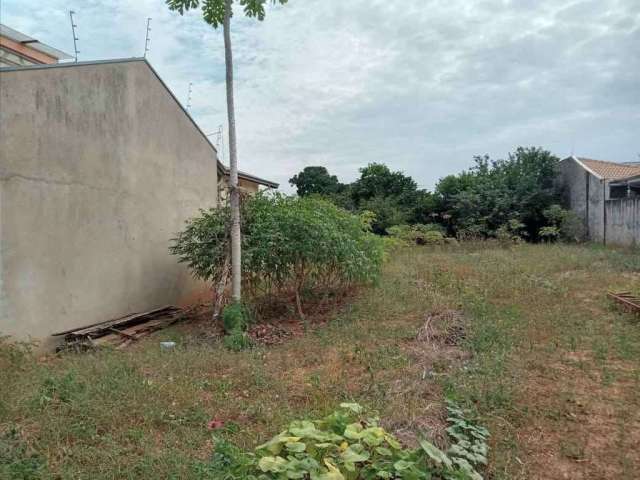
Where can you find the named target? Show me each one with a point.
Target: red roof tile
(611, 170)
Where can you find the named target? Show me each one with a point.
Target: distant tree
(218, 13)
(315, 180)
(376, 180)
(496, 192)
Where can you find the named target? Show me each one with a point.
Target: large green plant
(495, 193)
(288, 243)
(350, 445)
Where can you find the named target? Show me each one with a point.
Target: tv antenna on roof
(219, 141)
(73, 30)
(189, 97)
(148, 39)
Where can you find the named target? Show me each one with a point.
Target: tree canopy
(315, 180)
(513, 194)
(213, 10)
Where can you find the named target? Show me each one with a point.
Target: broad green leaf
(437, 455)
(272, 464)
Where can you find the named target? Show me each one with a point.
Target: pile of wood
(123, 331)
(629, 301)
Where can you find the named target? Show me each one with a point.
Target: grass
(553, 372)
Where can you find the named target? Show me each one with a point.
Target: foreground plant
(349, 445)
(290, 244)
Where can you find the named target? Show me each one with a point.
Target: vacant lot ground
(524, 336)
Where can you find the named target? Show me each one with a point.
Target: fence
(622, 222)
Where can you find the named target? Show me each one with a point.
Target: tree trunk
(236, 255)
(222, 284)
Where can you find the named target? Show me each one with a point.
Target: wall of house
(585, 194)
(623, 222)
(596, 200)
(99, 168)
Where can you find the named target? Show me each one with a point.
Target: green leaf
(355, 453)
(435, 454)
(272, 464)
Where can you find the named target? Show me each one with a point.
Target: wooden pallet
(122, 331)
(627, 299)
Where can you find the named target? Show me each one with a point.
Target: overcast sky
(421, 85)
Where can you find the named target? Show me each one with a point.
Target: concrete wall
(623, 222)
(585, 195)
(99, 168)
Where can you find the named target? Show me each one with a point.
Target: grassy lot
(533, 346)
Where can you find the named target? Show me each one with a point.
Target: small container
(165, 346)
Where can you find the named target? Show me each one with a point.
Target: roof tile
(611, 170)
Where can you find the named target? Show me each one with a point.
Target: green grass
(554, 374)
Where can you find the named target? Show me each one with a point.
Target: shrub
(549, 234)
(237, 340)
(349, 445)
(235, 317)
(289, 243)
(429, 234)
(235, 320)
(566, 224)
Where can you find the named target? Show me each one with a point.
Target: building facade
(603, 194)
(100, 166)
(19, 50)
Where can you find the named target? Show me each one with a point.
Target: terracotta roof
(610, 170)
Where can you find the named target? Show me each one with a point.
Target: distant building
(247, 183)
(606, 196)
(18, 49)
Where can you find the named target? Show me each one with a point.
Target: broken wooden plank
(97, 328)
(627, 299)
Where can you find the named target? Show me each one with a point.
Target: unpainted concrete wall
(623, 222)
(99, 168)
(585, 194)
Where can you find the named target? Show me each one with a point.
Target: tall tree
(315, 180)
(217, 13)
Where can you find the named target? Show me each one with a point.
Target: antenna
(148, 39)
(189, 97)
(219, 141)
(75, 38)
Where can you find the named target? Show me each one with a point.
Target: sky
(420, 85)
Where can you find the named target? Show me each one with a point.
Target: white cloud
(421, 85)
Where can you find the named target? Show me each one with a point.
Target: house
(606, 196)
(247, 183)
(18, 49)
(100, 166)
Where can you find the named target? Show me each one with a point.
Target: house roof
(221, 168)
(609, 170)
(31, 42)
(247, 176)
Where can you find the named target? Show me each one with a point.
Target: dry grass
(524, 336)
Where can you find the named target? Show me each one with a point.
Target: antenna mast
(148, 39)
(75, 38)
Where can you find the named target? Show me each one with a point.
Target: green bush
(236, 340)
(429, 234)
(350, 445)
(289, 243)
(563, 224)
(235, 317)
